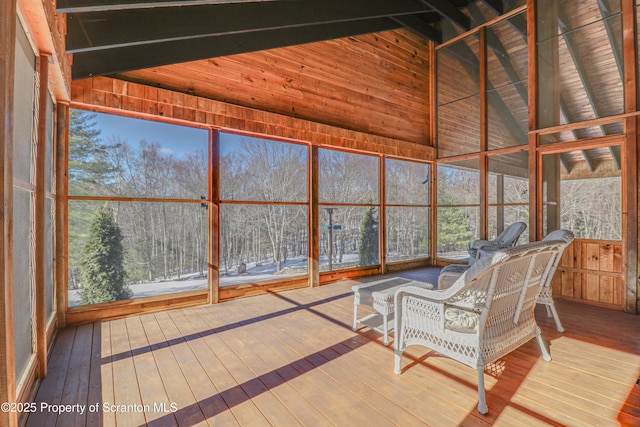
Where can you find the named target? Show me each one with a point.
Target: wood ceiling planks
(375, 83)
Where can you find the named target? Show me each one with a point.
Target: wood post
(313, 240)
(61, 216)
(382, 217)
(8, 18)
(39, 220)
(631, 162)
(214, 218)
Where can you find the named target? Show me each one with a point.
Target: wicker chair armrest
(475, 244)
(492, 247)
(429, 294)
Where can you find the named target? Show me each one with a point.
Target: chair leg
(385, 329)
(482, 401)
(554, 313)
(355, 317)
(397, 359)
(543, 347)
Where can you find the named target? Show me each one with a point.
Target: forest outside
(152, 198)
(154, 187)
(152, 190)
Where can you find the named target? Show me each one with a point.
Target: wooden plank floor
(291, 359)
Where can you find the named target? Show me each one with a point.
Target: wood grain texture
(332, 82)
(591, 271)
(291, 358)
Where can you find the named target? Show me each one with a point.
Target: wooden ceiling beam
(565, 165)
(615, 155)
(116, 60)
(495, 6)
(78, 6)
(420, 26)
(93, 30)
(582, 74)
(472, 67)
(588, 160)
(449, 11)
(496, 46)
(605, 13)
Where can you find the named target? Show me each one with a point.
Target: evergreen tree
(88, 167)
(88, 154)
(453, 226)
(369, 238)
(102, 269)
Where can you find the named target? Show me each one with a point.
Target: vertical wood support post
(500, 200)
(39, 220)
(213, 262)
(630, 213)
(631, 160)
(535, 208)
(313, 240)
(433, 216)
(382, 217)
(8, 18)
(62, 215)
(484, 228)
(544, 111)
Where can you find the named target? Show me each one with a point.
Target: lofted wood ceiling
(112, 36)
(168, 42)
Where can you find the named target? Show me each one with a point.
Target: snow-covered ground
(141, 290)
(255, 272)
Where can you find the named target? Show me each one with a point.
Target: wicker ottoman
(379, 295)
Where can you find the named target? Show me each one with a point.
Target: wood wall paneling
(94, 93)
(592, 272)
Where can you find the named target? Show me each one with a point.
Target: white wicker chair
(487, 313)
(546, 297)
(508, 238)
(451, 272)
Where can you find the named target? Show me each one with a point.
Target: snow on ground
(255, 272)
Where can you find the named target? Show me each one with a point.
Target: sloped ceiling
(111, 36)
(116, 37)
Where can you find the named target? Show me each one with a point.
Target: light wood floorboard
(292, 359)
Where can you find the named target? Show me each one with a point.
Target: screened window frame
(80, 311)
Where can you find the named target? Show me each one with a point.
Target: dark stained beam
(447, 10)
(519, 24)
(565, 164)
(588, 160)
(585, 82)
(472, 67)
(420, 26)
(605, 13)
(116, 28)
(577, 61)
(76, 6)
(110, 61)
(496, 46)
(615, 154)
(495, 6)
(564, 110)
